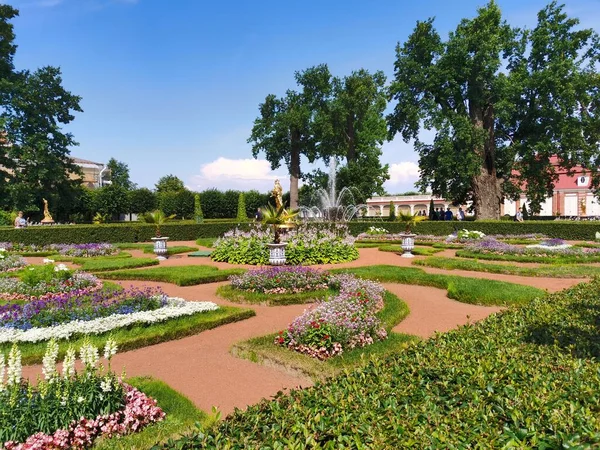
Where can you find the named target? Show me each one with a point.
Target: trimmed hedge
(188, 231)
(527, 378)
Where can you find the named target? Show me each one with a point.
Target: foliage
(281, 280)
(525, 212)
(10, 262)
(409, 220)
(526, 378)
(278, 217)
(285, 128)
(503, 101)
(241, 208)
(111, 200)
(463, 289)
(180, 275)
(157, 218)
(169, 183)
(100, 218)
(198, 214)
(119, 174)
(392, 216)
(180, 416)
(60, 399)
(6, 218)
(562, 253)
(177, 203)
(142, 200)
(104, 264)
(234, 295)
(307, 245)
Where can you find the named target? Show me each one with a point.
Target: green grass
(181, 275)
(463, 289)
(181, 417)
(149, 248)
(359, 244)
(419, 251)
(256, 298)
(550, 271)
(262, 350)
(141, 335)
(102, 265)
(81, 259)
(530, 258)
(205, 242)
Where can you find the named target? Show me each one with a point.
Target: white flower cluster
(375, 230)
(49, 361)
(60, 268)
(175, 307)
(598, 235)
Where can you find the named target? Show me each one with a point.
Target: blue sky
(173, 86)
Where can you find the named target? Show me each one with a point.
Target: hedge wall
(137, 232)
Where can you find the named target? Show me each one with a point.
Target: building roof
(79, 161)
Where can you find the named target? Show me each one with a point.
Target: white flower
(106, 385)
(175, 307)
(110, 349)
(60, 267)
(88, 355)
(80, 399)
(47, 261)
(14, 366)
(49, 361)
(69, 363)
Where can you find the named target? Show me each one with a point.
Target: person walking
(449, 215)
(460, 215)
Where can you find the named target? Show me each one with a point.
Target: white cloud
(242, 174)
(404, 172)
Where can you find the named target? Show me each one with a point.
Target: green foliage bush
(187, 231)
(527, 378)
(242, 216)
(198, 214)
(180, 203)
(6, 219)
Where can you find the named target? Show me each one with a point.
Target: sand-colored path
(202, 368)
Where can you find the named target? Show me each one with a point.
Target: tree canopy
(169, 183)
(502, 101)
(119, 174)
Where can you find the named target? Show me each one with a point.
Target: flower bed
(74, 250)
(343, 322)
(10, 263)
(173, 308)
(281, 280)
(69, 409)
(492, 246)
(306, 245)
(46, 282)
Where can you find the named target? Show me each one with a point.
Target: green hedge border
(138, 232)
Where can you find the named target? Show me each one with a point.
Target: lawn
(181, 275)
(149, 248)
(550, 271)
(141, 335)
(529, 258)
(262, 349)
(463, 289)
(232, 294)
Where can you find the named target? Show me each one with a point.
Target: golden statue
(47, 217)
(277, 192)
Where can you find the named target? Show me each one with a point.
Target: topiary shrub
(241, 208)
(198, 215)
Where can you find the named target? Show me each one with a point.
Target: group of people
(440, 214)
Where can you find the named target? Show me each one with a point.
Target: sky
(173, 86)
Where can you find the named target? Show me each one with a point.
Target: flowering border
(175, 307)
(139, 411)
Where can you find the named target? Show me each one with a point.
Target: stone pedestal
(277, 254)
(160, 247)
(408, 244)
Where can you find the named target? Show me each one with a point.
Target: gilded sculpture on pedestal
(277, 192)
(47, 217)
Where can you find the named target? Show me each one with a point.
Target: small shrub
(281, 280)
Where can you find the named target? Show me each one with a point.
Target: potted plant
(278, 218)
(160, 242)
(408, 238)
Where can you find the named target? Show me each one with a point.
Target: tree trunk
(486, 186)
(294, 169)
(351, 139)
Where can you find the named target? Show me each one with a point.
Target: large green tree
(119, 174)
(35, 150)
(355, 129)
(169, 183)
(500, 99)
(285, 129)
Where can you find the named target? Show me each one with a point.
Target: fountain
(334, 207)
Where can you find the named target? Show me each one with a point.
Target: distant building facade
(380, 206)
(94, 175)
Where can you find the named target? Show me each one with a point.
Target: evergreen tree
(241, 209)
(392, 212)
(199, 216)
(431, 210)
